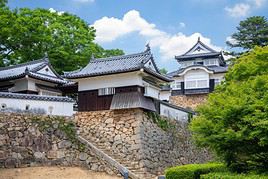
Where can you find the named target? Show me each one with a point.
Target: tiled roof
(112, 65)
(132, 100)
(215, 69)
(218, 69)
(30, 69)
(19, 70)
(188, 110)
(35, 97)
(185, 57)
(116, 64)
(206, 53)
(47, 78)
(202, 45)
(166, 88)
(173, 73)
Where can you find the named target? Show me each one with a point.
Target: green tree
(251, 32)
(234, 121)
(3, 3)
(28, 34)
(163, 71)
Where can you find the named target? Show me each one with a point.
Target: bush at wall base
(193, 171)
(228, 175)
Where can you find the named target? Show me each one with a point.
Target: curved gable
(190, 68)
(46, 70)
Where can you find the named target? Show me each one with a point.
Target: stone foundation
(188, 101)
(28, 140)
(131, 134)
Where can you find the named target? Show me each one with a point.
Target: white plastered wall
(173, 113)
(116, 80)
(196, 75)
(164, 95)
(49, 107)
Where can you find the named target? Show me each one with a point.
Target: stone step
(130, 165)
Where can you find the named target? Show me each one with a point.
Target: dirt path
(52, 173)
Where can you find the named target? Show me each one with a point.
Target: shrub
(227, 175)
(193, 171)
(234, 120)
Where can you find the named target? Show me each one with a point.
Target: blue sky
(170, 26)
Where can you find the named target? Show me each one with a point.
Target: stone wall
(116, 130)
(30, 140)
(131, 134)
(188, 101)
(171, 147)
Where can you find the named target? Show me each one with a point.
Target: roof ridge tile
(24, 64)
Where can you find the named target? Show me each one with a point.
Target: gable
(198, 49)
(150, 65)
(46, 70)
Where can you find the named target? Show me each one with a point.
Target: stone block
(39, 155)
(109, 120)
(94, 167)
(16, 155)
(41, 143)
(12, 163)
(64, 144)
(3, 155)
(117, 137)
(83, 156)
(52, 154)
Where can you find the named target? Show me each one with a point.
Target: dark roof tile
(35, 97)
(116, 64)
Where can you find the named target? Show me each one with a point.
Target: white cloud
(231, 40)
(257, 3)
(238, 10)
(243, 9)
(182, 24)
(109, 29)
(54, 11)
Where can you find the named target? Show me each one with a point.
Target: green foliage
(251, 32)
(234, 121)
(163, 71)
(228, 175)
(193, 171)
(249, 65)
(161, 122)
(3, 3)
(67, 127)
(28, 34)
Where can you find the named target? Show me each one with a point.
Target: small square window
(199, 63)
(176, 85)
(106, 91)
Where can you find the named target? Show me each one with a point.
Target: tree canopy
(251, 32)
(234, 121)
(163, 71)
(29, 34)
